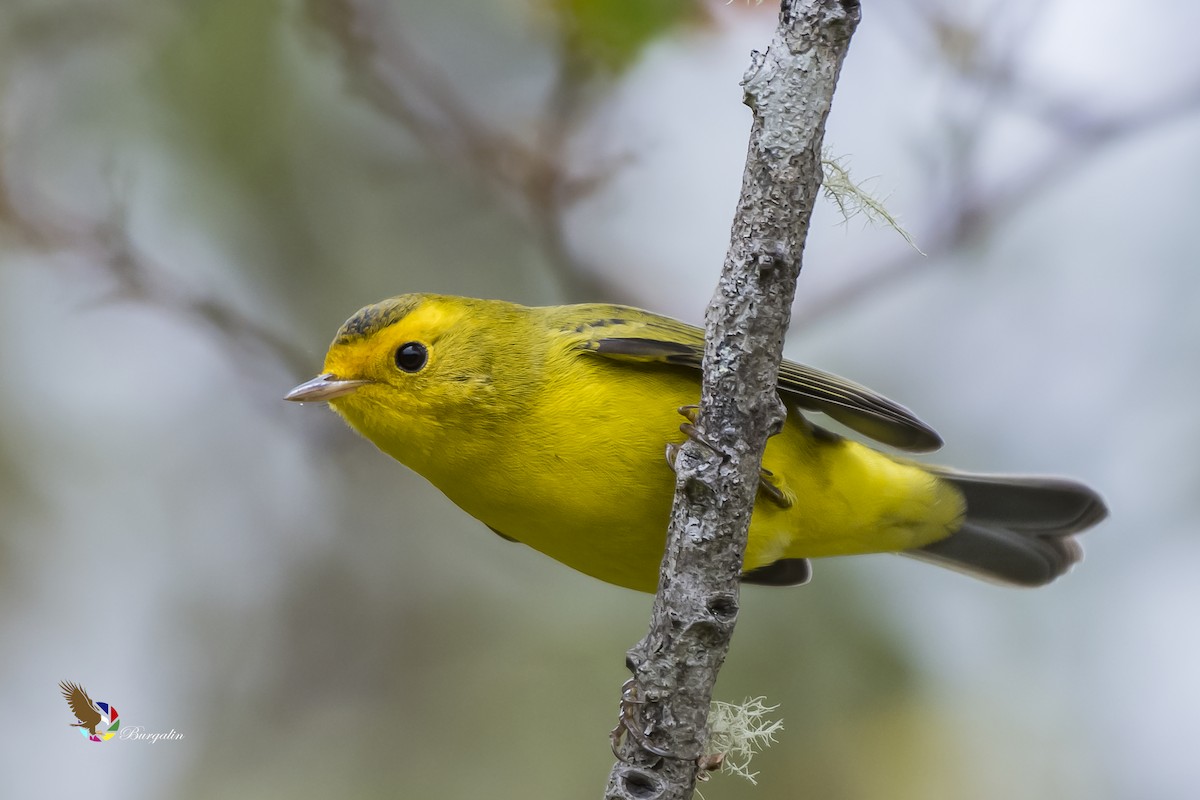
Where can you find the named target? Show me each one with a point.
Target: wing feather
(631, 334)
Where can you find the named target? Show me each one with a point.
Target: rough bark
(665, 708)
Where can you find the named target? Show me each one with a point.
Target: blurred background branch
(536, 179)
(135, 277)
(973, 204)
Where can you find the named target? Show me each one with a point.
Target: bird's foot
(767, 483)
(691, 414)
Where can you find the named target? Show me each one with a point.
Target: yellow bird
(549, 425)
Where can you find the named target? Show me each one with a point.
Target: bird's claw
(692, 414)
(767, 484)
(672, 454)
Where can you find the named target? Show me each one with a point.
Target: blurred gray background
(196, 194)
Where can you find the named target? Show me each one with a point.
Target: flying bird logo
(91, 715)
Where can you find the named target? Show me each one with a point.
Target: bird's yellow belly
(608, 518)
(602, 509)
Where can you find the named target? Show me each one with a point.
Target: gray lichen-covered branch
(662, 745)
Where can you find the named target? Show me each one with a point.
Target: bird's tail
(1019, 529)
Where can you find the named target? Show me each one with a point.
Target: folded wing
(631, 334)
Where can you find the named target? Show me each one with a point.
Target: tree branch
(665, 707)
(108, 246)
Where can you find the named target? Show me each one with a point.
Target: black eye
(411, 356)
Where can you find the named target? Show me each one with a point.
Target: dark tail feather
(1018, 528)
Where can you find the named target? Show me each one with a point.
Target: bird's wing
(632, 334)
(81, 705)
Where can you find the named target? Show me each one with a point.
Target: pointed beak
(321, 388)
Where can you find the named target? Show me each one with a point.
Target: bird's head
(411, 371)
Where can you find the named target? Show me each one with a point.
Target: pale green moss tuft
(852, 199)
(739, 731)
